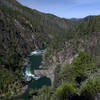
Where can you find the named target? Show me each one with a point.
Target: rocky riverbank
(23, 90)
(49, 73)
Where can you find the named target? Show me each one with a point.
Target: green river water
(34, 63)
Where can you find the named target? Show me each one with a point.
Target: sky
(65, 8)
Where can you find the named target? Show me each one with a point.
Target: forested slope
(23, 29)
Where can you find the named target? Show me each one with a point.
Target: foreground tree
(65, 91)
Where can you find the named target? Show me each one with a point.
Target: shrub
(90, 89)
(84, 65)
(45, 93)
(65, 91)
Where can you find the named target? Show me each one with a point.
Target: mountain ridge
(22, 30)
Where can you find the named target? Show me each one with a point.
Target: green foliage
(90, 88)
(9, 82)
(11, 59)
(45, 93)
(66, 90)
(56, 76)
(81, 68)
(88, 25)
(65, 74)
(84, 65)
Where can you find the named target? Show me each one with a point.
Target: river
(34, 81)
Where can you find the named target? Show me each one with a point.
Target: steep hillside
(27, 29)
(23, 29)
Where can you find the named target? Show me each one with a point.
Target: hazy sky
(65, 8)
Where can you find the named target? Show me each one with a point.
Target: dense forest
(72, 52)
